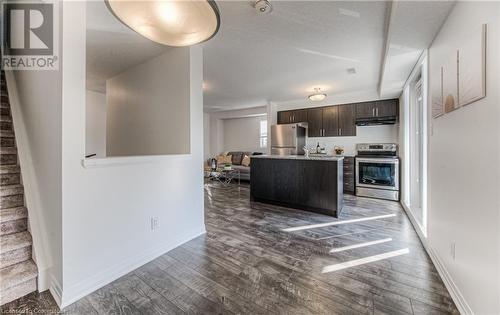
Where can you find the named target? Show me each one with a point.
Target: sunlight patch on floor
(341, 249)
(320, 225)
(366, 260)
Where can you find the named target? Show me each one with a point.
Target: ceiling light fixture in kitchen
(171, 23)
(317, 96)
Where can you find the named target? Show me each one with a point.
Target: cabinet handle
(340, 131)
(377, 111)
(373, 112)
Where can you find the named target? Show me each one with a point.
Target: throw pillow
(228, 159)
(246, 161)
(220, 159)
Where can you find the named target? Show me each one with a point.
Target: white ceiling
(282, 56)
(112, 47)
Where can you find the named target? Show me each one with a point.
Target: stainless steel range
(377, 171)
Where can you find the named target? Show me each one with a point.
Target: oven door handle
(378, 160)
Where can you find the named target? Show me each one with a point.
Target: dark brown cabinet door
(330, 121)
(299, 116)
(387, 108)
(315, 122)
(347, 120)
(285, 117)
(365, 110)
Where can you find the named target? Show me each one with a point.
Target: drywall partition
(95, 130)
(35, 100)
(148, 107)
(108, 203)
(464, 171)
(206, 136)
(36, 107)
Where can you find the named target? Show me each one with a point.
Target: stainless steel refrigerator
(288, 139)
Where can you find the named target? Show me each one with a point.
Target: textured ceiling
(282, 56)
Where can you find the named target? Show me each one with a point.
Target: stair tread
(15, 241)
(9, 169)
(8, 150)
(11, 214)
(17, 274)
(11, 190)
(4, 187)
(6, 134)
(6, 118)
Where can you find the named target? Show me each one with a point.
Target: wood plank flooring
(249, 263)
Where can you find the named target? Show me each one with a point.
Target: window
(263, 133)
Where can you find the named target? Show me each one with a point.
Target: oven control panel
(368, 147)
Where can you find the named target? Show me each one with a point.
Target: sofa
(237, 158)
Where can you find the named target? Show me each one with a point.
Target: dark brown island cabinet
(341, 120)
(349, 175)
(312, 184)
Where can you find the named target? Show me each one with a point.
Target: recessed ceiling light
(317, 96)
(171, 23)
(349, 13)
(351, 70)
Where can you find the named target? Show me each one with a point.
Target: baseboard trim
(44, 279)
(89, 285)
(456, 295)
(55, 290)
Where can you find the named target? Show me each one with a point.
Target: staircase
(18, 272)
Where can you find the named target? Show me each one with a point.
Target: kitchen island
(307, 183)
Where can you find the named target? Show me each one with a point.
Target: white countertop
(299, 157)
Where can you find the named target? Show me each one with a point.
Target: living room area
(231, 138)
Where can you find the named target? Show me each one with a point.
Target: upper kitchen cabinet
(315, 122)
(331, 121)
(292, 116)
(387, 108)
(382, 112)
(347, 120)
(284, 117)
(365, 110)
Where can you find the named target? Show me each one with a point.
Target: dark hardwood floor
(262, 259)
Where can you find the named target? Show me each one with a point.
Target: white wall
(148, 107)
(206, 136)
(215, 141)
(107, 203)
(243, 134)
(464, 172)
(365, 134)
(95, 129)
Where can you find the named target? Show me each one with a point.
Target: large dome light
(317, 96)
(171, 23)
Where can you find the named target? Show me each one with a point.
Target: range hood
(390, 120)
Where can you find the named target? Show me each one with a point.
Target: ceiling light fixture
(317, 96)
(171, 23)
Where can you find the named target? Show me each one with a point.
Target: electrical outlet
(453, 250)
(155, 223)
